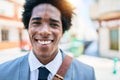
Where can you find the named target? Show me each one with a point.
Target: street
(103, 67)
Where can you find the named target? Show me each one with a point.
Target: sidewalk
(103, 67)
(6, 55)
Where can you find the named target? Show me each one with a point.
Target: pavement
(103, 67)
(9, 54)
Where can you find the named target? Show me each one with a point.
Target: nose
(45, 30)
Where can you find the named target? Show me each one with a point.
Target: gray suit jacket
(18, 69)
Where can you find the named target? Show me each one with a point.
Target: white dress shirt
(53, 66)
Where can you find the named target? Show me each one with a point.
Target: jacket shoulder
(10, 68)
(15, 61)
(81, 71)
(81, 65)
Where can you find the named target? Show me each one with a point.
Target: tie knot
(43, 73)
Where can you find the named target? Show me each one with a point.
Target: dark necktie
(43, 73)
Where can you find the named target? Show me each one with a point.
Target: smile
(44, 42)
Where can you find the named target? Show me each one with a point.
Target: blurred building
(11, 26)
(106, 16)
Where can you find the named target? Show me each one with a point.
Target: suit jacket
(18, 69)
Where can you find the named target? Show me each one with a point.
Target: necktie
(43, 73)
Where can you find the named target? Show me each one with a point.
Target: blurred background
(94, 37)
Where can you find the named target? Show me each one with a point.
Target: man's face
(45, 30)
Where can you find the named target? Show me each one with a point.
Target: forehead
(45, 10)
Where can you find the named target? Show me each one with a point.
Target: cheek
(59, 36)
(30, 33)
(58, 33)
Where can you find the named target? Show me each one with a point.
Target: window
(114, 39)
(4, 34)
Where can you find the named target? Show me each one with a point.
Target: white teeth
(44, 42)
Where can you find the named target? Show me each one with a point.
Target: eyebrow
(53, 20)
(37, 18)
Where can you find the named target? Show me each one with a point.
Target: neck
(45, 60)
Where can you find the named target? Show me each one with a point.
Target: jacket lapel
(24, 69)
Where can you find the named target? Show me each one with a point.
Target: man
(46, 21)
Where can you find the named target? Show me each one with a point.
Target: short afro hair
(64, 6)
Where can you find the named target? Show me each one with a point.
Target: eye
(38, 23)
(54, 25)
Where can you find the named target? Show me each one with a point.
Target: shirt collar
(53, 66)
(33, 61)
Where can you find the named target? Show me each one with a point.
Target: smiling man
(46, 21)
(45, 31)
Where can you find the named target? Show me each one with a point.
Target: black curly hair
(64, 6)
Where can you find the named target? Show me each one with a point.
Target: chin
(45, 56)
